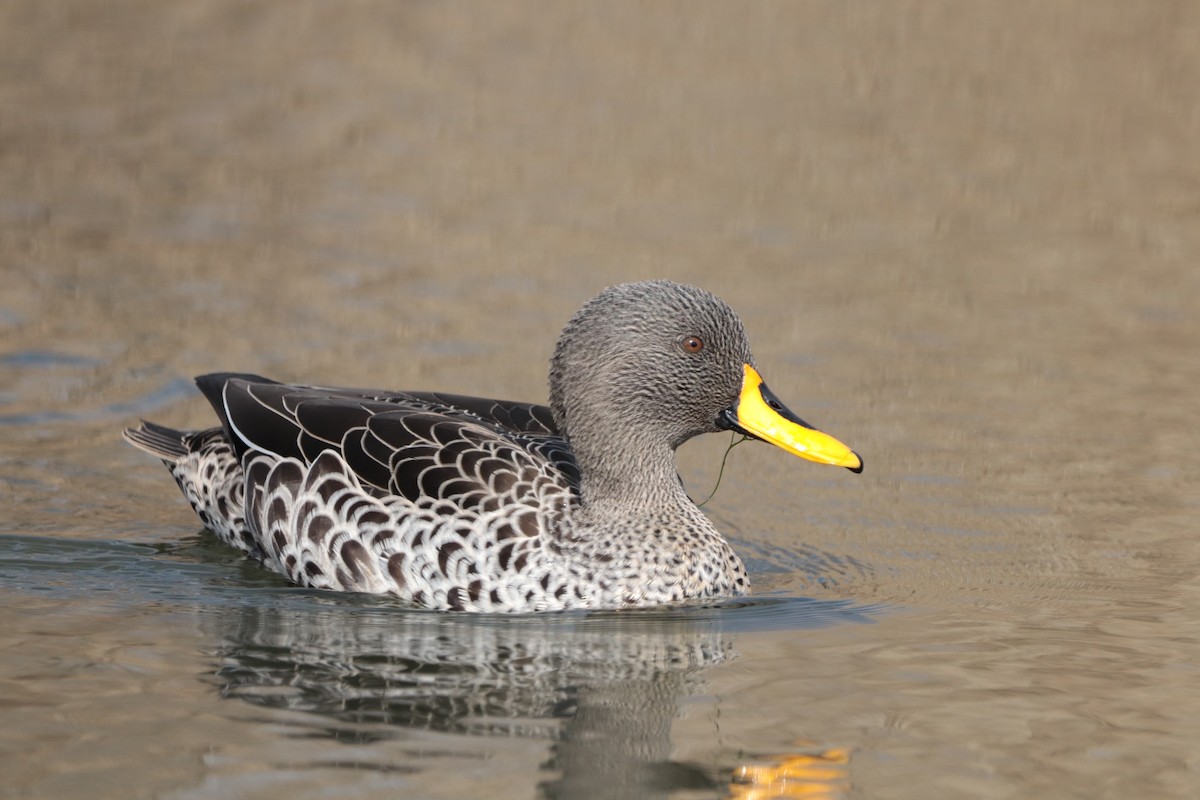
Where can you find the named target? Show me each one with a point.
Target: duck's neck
(630, 476)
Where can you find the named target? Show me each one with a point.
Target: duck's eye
(692, 344)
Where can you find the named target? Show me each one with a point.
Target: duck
(459, 503)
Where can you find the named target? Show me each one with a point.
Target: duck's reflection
(602, 689)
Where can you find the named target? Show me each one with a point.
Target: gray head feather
(623, 387)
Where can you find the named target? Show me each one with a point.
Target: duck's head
(656, 363)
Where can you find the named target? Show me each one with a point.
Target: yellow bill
(757, 412)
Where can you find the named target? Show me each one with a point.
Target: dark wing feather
(555, 450)
(437, 456)
(413, 444)
(258, 418)
(327, 424)
(507, 414)
(213, 386)
(374, 473)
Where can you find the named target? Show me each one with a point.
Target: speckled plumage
(464, 503)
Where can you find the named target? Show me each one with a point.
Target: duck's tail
(158, 440)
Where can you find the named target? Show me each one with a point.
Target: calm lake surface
(965, 239)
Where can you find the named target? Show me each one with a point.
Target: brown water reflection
(962, 236)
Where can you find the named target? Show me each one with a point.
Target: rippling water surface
(963, 240)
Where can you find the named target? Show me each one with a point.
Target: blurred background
(964, 239)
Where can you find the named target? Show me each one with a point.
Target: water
(964, 241)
